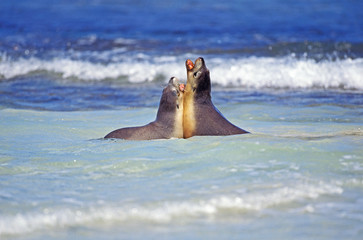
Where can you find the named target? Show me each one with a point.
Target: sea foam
(163, 212)
(248, 72)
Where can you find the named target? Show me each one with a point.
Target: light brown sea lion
(201, 117)
(169, 119)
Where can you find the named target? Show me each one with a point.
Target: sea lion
(201, 117)
(169, 118)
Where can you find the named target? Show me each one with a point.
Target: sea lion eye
(196, 74)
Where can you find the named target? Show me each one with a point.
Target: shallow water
(288, 72)
(302, 166)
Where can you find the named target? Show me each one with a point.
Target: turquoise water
(299, 175)
(289, 72)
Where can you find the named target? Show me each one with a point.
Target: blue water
(290, 72)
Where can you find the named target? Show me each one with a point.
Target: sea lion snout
(199, 63)
(199, 70)
(176, 84)
(189, 64)
(182, 87)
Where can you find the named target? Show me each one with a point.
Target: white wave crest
(164, 212)
(252, 72)
(290, 73)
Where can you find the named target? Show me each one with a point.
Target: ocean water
(290, 72)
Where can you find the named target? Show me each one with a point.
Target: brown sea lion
(169, 119)
(201, 117)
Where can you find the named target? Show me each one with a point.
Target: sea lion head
(177, 89)
(198, 76)
(171, 107)
(172, 97)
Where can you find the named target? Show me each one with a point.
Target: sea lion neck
(204, 84)
(167, 107)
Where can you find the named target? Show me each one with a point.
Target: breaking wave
(250, 72)
(164, 212)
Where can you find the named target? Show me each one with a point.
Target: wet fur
(168, 121)
(201, 117)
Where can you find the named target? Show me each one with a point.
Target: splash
(251, 72)
(163, 212)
